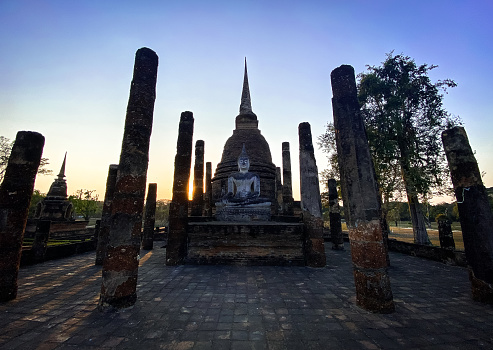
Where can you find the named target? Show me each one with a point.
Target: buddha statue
(243, 186)
(243, 194)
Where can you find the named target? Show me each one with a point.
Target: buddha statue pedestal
(243, 213)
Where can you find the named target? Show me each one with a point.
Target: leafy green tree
(86, 203)
(404, 117)
(5, 149)
(162, 212)
(35, 199)
(327, 142)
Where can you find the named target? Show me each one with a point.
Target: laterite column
(311, 203)
(176, 249)
(104, 228)
(149, 217)
(360, 196)
(476, 218)
(15, 196)
(287, 189)
(198, 180)
(278, 191)
(120, 266)
(336, 236)
(208, 190)
(41, 237)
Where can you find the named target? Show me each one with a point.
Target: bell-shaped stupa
(56, 205)
(248, 134)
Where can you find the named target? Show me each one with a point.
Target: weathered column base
(336, 231)
(118, 289)
(314, 249)
(176, 249)
(481, 291)
(373, 291)
(368, 252)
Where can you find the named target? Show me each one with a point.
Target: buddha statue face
(243, 164)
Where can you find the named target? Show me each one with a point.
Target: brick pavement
(230, 307)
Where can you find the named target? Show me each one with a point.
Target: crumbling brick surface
(15, 196)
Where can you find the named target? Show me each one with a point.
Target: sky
(66, 68)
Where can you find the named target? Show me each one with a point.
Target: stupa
(55, 206)
(248, 134)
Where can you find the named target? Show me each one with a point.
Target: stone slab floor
(228, 307)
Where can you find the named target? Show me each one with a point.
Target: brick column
(150, 217)
(476, 218)
(198, 180)
(445, 234)
(278, 191)
(104, 228)
(120, 266)
(287, 189)
(208, 190)
(311, 203)
(336, 236)
(15, 196)
(176, 249)
(360, 196)
(41, 238)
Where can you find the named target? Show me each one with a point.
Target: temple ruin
(243, 220)
(56, 206)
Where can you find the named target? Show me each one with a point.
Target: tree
(35, 199)
(6, 148)
(162, 211)
(85, 203)
(404, 116)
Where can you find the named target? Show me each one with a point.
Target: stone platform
(248, 243)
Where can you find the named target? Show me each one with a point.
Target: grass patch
(28, 242)
(404, 232)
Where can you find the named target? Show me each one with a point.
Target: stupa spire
(61, 175)
(246, 102)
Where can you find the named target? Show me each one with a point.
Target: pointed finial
(246, 103)
(61, 175)
(243, 154)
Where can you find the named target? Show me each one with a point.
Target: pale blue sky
(66, 67)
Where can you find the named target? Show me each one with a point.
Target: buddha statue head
(243, 161)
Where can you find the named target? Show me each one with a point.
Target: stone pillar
(120, 266)
(198, 180)
(360, 196)
(104, 228)
(97, 228)
(311, 203)
(15, 196)
(150, 217)
(336, 236)
(445, 233)
(287, 189)
(476, 218)
(208, 190)
(176, 249)
(278, 191)
(41, 238)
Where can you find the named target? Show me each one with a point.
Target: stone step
(259, 243)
